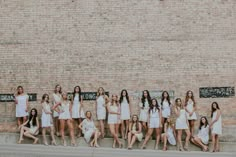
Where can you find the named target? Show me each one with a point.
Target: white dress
(21, 105)
(113, 118)
(165, 109)
(144, 112)
(138, 135)
(217, 126)
(190, 108)
(101, 109)
(46, 119)
(203, 134)
(65, 108)
(125, 110)
(57, 99)
(88, 129)
(154, 118)
(170, 136)
(76, 107)
(33, 129)
(181, 121)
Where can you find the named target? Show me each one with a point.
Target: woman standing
(144, 108)
(56, 100)
(125, 112)
(89, 130)
(101, 101)
(154, 122)
(169, 134)
(65, 114)
(190, 107)
(77, 108)
(113, 110)
(216, 126)
(165, 106)
(202, 138)
(31, 127)
(46, 119)
(22, 105)
(181, 124)
(135, 131)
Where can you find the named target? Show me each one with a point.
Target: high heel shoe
(143, 146)
(64, 143)
(54, 143)
(36, 141)
(96, 145)
(120, 145)
(156, 147)
(164, 148)
(45, 143)
(186, 148)
(20, 140)
(73, 144)
(181, 149)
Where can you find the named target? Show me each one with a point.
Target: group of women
(167, 120)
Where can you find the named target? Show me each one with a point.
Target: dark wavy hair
(162, 98)
(33, 117)
(78, 93)
(187, 98)
(201, 124)
(55, 89)
(43, 98)
(148, 98)
(19, 88)
(213, 109)
(121, 96)
(157, 105)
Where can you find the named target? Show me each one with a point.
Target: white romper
(113, 118)
(144, 112)
(46, 119)
(65, 107)
(125, 110)
(154, 118)
(56, 99)
(101, 109)
(189, 107)
(181, 121)
(21, 106)
(76, 107)
(165, 109)
(217, 126)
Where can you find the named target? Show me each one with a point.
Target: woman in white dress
(46, 119)
(22, 105)
(216, 126)
(169, 134)
(113, 112)
(101, 101)
(202, 138)
(77, 108)
(144, 108)
(91, 133)
(135, 131)
(165, 106)
(31, 127)
(65, 116)
(190, 107)
(56, 100)
(181, 124)
(125, 113)
(154, 123)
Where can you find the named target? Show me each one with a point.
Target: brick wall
(134, 44)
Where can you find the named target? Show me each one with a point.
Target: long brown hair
(187, 98)
(43, 98)
(112, 101)
(213, 109)
(55, 89)
(103, 93)
(135, 123)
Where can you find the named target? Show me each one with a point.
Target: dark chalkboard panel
(216, 92)
(10, 97)
(87, 96)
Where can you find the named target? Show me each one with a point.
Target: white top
(181, 121)
(190, 108)
(46, 119)
(101, 109)
(217, 126)
(77, 110)
(154, 113)
(165, 109)
(203, 134)
(65, 110)
(125, 110)
(56, 99)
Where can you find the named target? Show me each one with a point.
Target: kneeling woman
(135, 131)
(89, 130)
(202, 138)
(31, 127)
(65, 116)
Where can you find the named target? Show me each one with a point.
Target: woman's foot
(181, 149)
(156, 147)
(186, 148)
(164, 148)
(64, 143)
(20, 140)
(96, 145)
(205, 149)
(114, 145)
(73, 144)
(143, 146)
(91, 144)
(57, 134)
(130, 147)
(120, 145)
(36, 141)
(54, 143)
(45, 143)
(102, 135)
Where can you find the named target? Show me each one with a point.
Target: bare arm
(217, 118)
(160, 118)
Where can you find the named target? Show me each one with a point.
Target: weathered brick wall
(134, 44)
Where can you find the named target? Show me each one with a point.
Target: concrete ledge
(12, 138)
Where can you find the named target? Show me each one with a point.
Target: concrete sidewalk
(29, 150)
